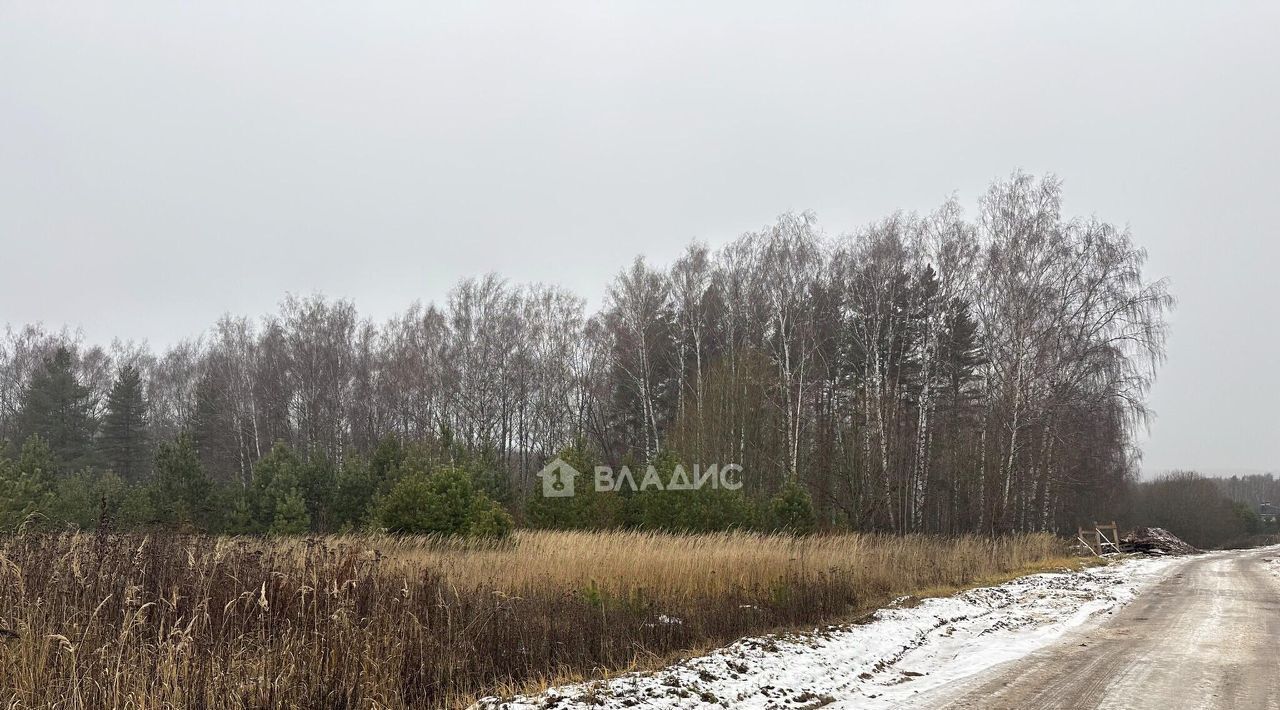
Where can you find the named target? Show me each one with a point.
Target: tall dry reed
(152, 621)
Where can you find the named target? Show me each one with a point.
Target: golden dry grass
(378, 622)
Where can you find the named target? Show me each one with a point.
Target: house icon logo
(557, 479)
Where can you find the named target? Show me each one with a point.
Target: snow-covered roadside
(903, 650)
(1273, 563)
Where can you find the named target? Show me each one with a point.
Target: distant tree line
(926, 373)
(1206, 512)
(1252, 489)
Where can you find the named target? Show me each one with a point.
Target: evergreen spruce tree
(961, 351)
(124, 443)
(58, 409)
(214, 430)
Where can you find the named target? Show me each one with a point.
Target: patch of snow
(1272, 563)
(902, 650)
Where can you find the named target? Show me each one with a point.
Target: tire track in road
(1205, 637)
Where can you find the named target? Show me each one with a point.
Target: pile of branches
(1156, 541)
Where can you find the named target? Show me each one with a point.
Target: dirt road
(1207, 636)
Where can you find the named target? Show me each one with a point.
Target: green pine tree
(291, 516)
(124, 442)
(58, 409)
(488, 519)
(792, 509)
(385, 461)
(429, 504)
(356, 490)
(74, 501)
(705, 509)
(240, 521)
(445, 502)
(26, 485)
(318, 484)
(182, 493)
(588, 509)
(274, 477)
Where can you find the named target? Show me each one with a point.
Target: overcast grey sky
(162, 163)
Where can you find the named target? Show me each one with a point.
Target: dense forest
(935, 373)
(1207, 512)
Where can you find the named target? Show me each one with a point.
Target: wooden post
(1105, 542)
(1092, 545)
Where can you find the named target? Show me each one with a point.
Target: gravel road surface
(1205, 636)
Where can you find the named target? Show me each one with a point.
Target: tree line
(936, 373)
(1206, 512)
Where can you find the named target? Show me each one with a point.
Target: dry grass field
(168, 621)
